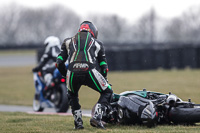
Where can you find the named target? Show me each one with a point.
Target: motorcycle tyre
(184, 115)
(64, 104)
(37, 106)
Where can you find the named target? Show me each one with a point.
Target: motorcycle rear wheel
(61, 103)
(180, 115)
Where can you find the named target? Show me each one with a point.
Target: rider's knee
(108, 90)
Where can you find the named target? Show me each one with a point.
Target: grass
(30, 123)
(16, 85)
(17, 88)
(17, 52)
(183, 83)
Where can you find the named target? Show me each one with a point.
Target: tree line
(23, 26)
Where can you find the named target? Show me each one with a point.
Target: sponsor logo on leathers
(83, 66)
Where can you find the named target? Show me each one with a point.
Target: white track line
(52, 113)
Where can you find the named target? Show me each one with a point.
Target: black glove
(61, 67)
(36, 69)
(104, 72)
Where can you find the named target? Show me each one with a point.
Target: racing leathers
(47, 62)
(85, 54)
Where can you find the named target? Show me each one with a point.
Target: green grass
(30, 123)
(16, 85)
(183, 83)
(17, 88)
(17, 52)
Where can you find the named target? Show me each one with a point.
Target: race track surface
(17, 60)
(29, 109)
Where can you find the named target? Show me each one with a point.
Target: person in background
(85, 53)
(48, 59)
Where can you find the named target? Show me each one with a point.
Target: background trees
(185, 28)
(22, 26)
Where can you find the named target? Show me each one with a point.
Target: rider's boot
(78, 119)
(95, 121)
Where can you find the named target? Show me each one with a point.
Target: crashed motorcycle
(150, 108)
(53, 97)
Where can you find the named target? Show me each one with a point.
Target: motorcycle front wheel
(36, 105)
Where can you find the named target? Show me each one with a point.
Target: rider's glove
(61, 67)
(36, 69)
(104, 69)
(104, 72)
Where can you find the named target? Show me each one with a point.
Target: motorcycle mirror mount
(189, 100)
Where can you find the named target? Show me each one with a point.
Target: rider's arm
(44, 59)
(62, 57)
(102, 60)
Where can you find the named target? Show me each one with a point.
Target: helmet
(52, 41)
(90, 27)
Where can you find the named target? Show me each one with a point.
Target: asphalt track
(29, 110)
(17, 60)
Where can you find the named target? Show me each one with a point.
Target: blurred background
(137, 35)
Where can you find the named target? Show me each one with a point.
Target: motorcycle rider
(84, 53)
(48, 59)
